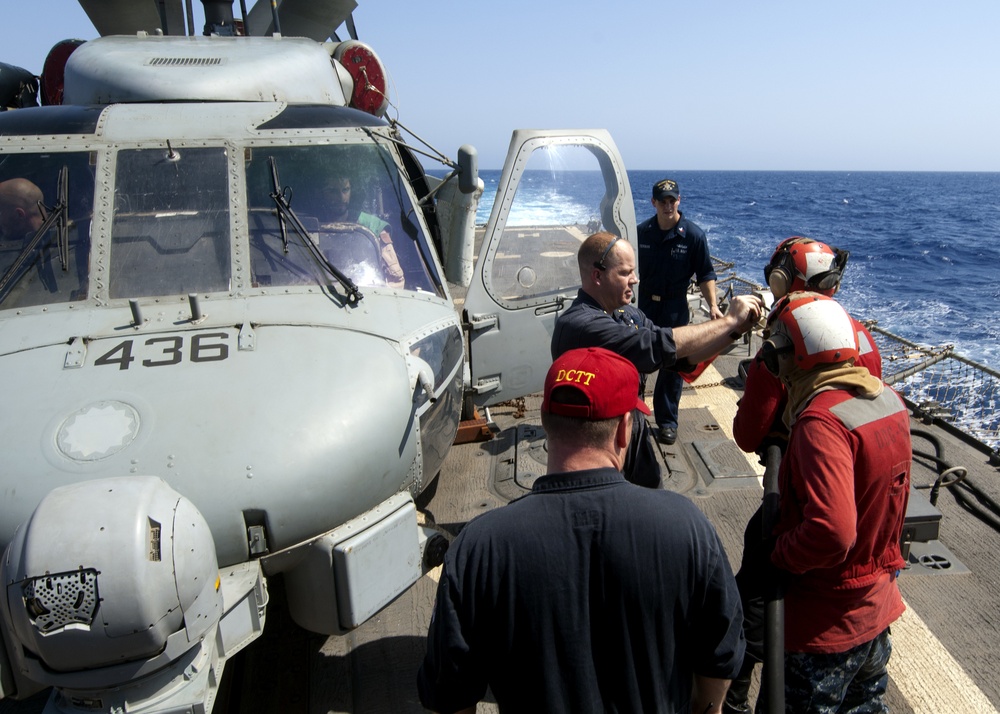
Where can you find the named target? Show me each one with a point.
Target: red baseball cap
(608, 382)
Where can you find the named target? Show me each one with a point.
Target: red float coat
(763, 402)
(844, 483)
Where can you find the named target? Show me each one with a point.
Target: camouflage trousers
(851, 682)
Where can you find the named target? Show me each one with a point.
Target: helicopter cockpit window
(46, 203)
(170, 233)
(558, 202)
(351, 202)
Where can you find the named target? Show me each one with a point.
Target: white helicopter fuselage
(202, 313)
(272, 379)
(231, 352)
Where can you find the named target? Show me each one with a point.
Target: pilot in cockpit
(20, 209)
(340, 209)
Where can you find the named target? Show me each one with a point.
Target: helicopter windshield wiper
(62, 211)
(57, 214)
(287, 215)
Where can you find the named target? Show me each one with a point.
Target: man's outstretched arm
(707, 339)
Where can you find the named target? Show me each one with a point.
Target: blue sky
(681, 85)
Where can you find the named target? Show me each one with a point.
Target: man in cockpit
(339, 208)
(20, 211)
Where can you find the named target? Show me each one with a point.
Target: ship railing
(944, 387)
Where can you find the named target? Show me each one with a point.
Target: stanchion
(773, 675)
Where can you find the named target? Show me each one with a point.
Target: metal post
(773, 674)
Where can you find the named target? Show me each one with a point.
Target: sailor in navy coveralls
(671, 250)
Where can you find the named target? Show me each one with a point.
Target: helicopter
(240, 324)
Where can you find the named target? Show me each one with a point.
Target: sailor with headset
(798, 264)
(844, 484)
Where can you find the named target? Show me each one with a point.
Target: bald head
(20, 192)
(19, 208)
(593, 249)
(607, 270)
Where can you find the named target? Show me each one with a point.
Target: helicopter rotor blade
(126, 17)
(315, 19)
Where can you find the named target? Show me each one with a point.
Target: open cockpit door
(557, 188)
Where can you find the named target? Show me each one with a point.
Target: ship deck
(942, 643)
(941, 659)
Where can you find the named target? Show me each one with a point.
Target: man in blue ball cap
(671, 249)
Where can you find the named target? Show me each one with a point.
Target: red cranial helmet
(801, 264)
(814, 328)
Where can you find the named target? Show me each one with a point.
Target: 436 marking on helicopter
(168, 350)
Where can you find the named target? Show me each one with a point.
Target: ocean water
(925, 247)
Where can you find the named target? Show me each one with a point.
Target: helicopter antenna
(437, 155)
(162, 9)
(243, 13)
(274, 18)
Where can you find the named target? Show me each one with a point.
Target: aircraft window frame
(172, 213)
(379, 208)
(511, 279)
(45, 243)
